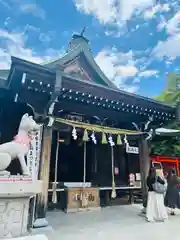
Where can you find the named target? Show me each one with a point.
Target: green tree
(169, 97)
(171, 94)
(168, 146)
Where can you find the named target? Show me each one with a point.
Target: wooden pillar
(144, 151)
(42, 198)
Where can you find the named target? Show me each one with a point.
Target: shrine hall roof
(78, 71)
(39, 72)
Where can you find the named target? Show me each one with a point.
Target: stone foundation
(14, 206)
(13, 217)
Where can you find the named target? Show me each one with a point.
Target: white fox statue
(19, 146)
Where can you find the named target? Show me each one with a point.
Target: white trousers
(156, 211)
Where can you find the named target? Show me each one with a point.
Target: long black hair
(152, 172)
(171, 172)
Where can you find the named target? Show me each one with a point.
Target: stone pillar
(42, 198)
(144, 151)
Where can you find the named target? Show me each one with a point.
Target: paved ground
(120, 222)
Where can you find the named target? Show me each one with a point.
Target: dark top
(151, 181)
(173, 182)
(172, 193)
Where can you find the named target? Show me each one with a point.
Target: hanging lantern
(104, 139)
(85, 137)
(74, 133)
(93, 137)
(119, 142)
(111, 142)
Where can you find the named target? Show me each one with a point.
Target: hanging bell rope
(84, 201)
(84, 173)
(113, 193)
(54, 195)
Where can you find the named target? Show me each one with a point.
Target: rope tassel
(85, 137)
(119, 141)
(113, 193)
(104, 139)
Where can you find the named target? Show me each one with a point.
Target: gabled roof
(95, 89)
(71, 82)
(78, 46)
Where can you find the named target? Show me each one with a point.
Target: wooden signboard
(75, 198)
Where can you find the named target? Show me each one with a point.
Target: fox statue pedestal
(14, 204)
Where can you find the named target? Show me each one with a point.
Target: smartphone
(157, 165)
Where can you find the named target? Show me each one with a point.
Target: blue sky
(135, 42)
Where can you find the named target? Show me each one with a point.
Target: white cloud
(5, 4)
(14, 44)
(148, 73)
(34, 9)
(125, 69)
(169, 48)
(151, 13)
(118, 67)
(173, 25)
(136, 80)
(105, 11)
(131, 89)
(162, 24)
(113, 11)
(128, 8)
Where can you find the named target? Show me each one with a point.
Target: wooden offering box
(72, 204)
(75, 196)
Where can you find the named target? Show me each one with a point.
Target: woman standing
(172, 194)
(156, 211)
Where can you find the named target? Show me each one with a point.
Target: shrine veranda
(85, 148)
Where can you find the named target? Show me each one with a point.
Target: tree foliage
(168, 146)
(169, 97)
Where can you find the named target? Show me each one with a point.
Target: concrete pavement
(119, 222)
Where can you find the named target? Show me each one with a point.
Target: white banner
(33, 156)
(134, 150)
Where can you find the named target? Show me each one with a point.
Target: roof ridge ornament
(83, 31)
